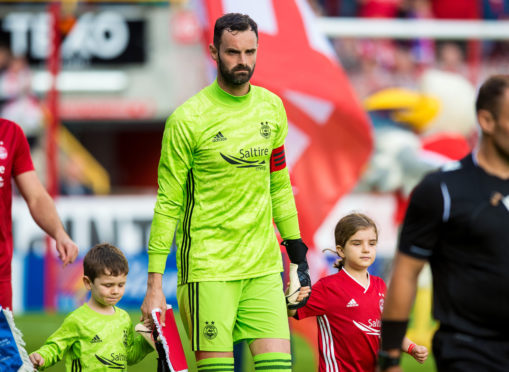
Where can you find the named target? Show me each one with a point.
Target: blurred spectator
(22, 106)
(5, 57)
(496, 51)
(340, 8)
(375, 59)
(348, 52)
(18, 104)
(17, 101)
(495, 9)
(379, 8)
(454, 9)
(404, 70)
(316, 7)
(451, 57)
(422, 49)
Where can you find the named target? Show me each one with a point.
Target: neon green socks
(273, 362)
(215, 365)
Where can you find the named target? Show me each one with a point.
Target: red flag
(169, 336)
(329, 139)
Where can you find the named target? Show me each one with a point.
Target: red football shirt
(14, 160)
(349, 319)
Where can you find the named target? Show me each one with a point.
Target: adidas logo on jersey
(352, 303)
(219, 137)
(96, 339)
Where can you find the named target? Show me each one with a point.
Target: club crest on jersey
(210, 330)
(382, 305)
(265, 130)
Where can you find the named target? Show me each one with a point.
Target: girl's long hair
(348, 226)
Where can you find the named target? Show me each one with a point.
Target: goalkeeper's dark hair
(232, 22)
(491, 93)
(104, 259)
(346, 228)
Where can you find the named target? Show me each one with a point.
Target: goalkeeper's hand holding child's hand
(303, 292)
(299, 271)
(36, 359)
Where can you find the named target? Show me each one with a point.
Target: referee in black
(458, 221)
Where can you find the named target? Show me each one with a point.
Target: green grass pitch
(37, 327)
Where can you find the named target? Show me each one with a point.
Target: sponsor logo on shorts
(210, 330)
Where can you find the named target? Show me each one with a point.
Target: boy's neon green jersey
(95, 342)
(216, 186)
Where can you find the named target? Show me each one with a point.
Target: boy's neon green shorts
(218, 314)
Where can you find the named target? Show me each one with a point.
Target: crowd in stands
(19, 104)
(375, 64)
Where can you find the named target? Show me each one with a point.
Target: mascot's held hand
(299, 272)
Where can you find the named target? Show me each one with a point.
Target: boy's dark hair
(104, 259)
(491, 93)
(233, 22)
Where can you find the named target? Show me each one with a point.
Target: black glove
(296, 250)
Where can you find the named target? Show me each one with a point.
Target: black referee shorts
(458, 352)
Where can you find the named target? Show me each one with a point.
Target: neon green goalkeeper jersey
(95, 342)
(222, 180)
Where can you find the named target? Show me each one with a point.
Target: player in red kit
(349, 304)
(16, 163)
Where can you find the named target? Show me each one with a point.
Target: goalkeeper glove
(299, 272)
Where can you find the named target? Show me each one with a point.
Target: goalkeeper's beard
(230, 76)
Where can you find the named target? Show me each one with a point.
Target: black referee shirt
(458, 219)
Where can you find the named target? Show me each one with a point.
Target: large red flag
(329, 139)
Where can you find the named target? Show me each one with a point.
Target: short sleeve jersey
(14, 160)
(458, 219)
(215, 179)
(95, 342)
(349, 319)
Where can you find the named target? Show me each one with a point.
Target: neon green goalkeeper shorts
(218, 314)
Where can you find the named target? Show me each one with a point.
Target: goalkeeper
(222, 181)
(98, 336)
